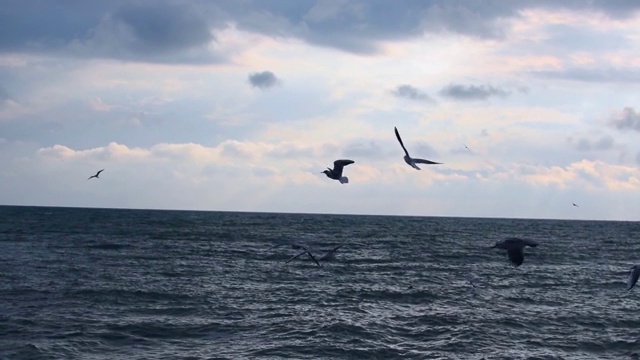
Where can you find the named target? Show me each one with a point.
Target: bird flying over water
(330, 255)
(633, 276)
(302, 253)
(336, 172)
(515, 248)
(97, 175)
(408, 159)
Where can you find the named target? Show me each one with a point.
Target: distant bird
(408, 159)
(302, 253)
(336, 172)
(633, 276)
(465, 146)
(97, 175)
(574, 204)
(515, 248)
(330, 255)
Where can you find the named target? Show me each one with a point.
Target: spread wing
(529, 242)
(313, 258)
(400, 140)
(516, 256)
(423, 161)
(633, 277)
(98, 174)
(338, 165)
(296, 256)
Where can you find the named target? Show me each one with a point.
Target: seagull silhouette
(574, 204)
(330, 255)
(97, 175)
(633, 276)
(465, 146)
(302, 253)
(408, 159)
(515, 248)
(336, 172)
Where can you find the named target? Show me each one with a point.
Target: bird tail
(344, 180)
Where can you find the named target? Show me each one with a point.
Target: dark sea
(143, 284)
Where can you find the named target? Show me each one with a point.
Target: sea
(87, 283)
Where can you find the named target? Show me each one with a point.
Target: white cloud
(183, 129)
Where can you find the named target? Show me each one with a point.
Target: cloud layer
(238, 105)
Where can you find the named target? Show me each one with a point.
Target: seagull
(330, 255)
(515, 248)
(336, 172)
(412, 161)
(633, 276)
(302, 253)
(465, 146)
(97, 175)
(574, 204)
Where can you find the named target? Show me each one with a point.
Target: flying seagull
(302, 253)
(336, 172)
(465, 146)
(97, 175)
(330, 255)
(574, 204)
(408, 159)
(515, 248)
(633, 276)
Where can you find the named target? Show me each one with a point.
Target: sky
(239, 105)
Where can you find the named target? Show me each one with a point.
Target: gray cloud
(263, 80)
(410, 92)
(164, 28)
(604, 143)
(592, 75)
(178, 30)
(471, 92)
(162, 31)
(627, 119)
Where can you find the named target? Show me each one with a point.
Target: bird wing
(338, 165)
(633, 277)
(529, 242)
(296, 256)
(313, 258)
(516, 256)
(424, 161)
(98, 173)
(330, 253)
(400, 140)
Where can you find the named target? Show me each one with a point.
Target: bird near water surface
(336, 172)
(408, 159)
(633, 276)
(515, 248)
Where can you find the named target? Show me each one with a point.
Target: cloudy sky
(240, 104)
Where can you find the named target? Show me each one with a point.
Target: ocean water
(137, 284)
